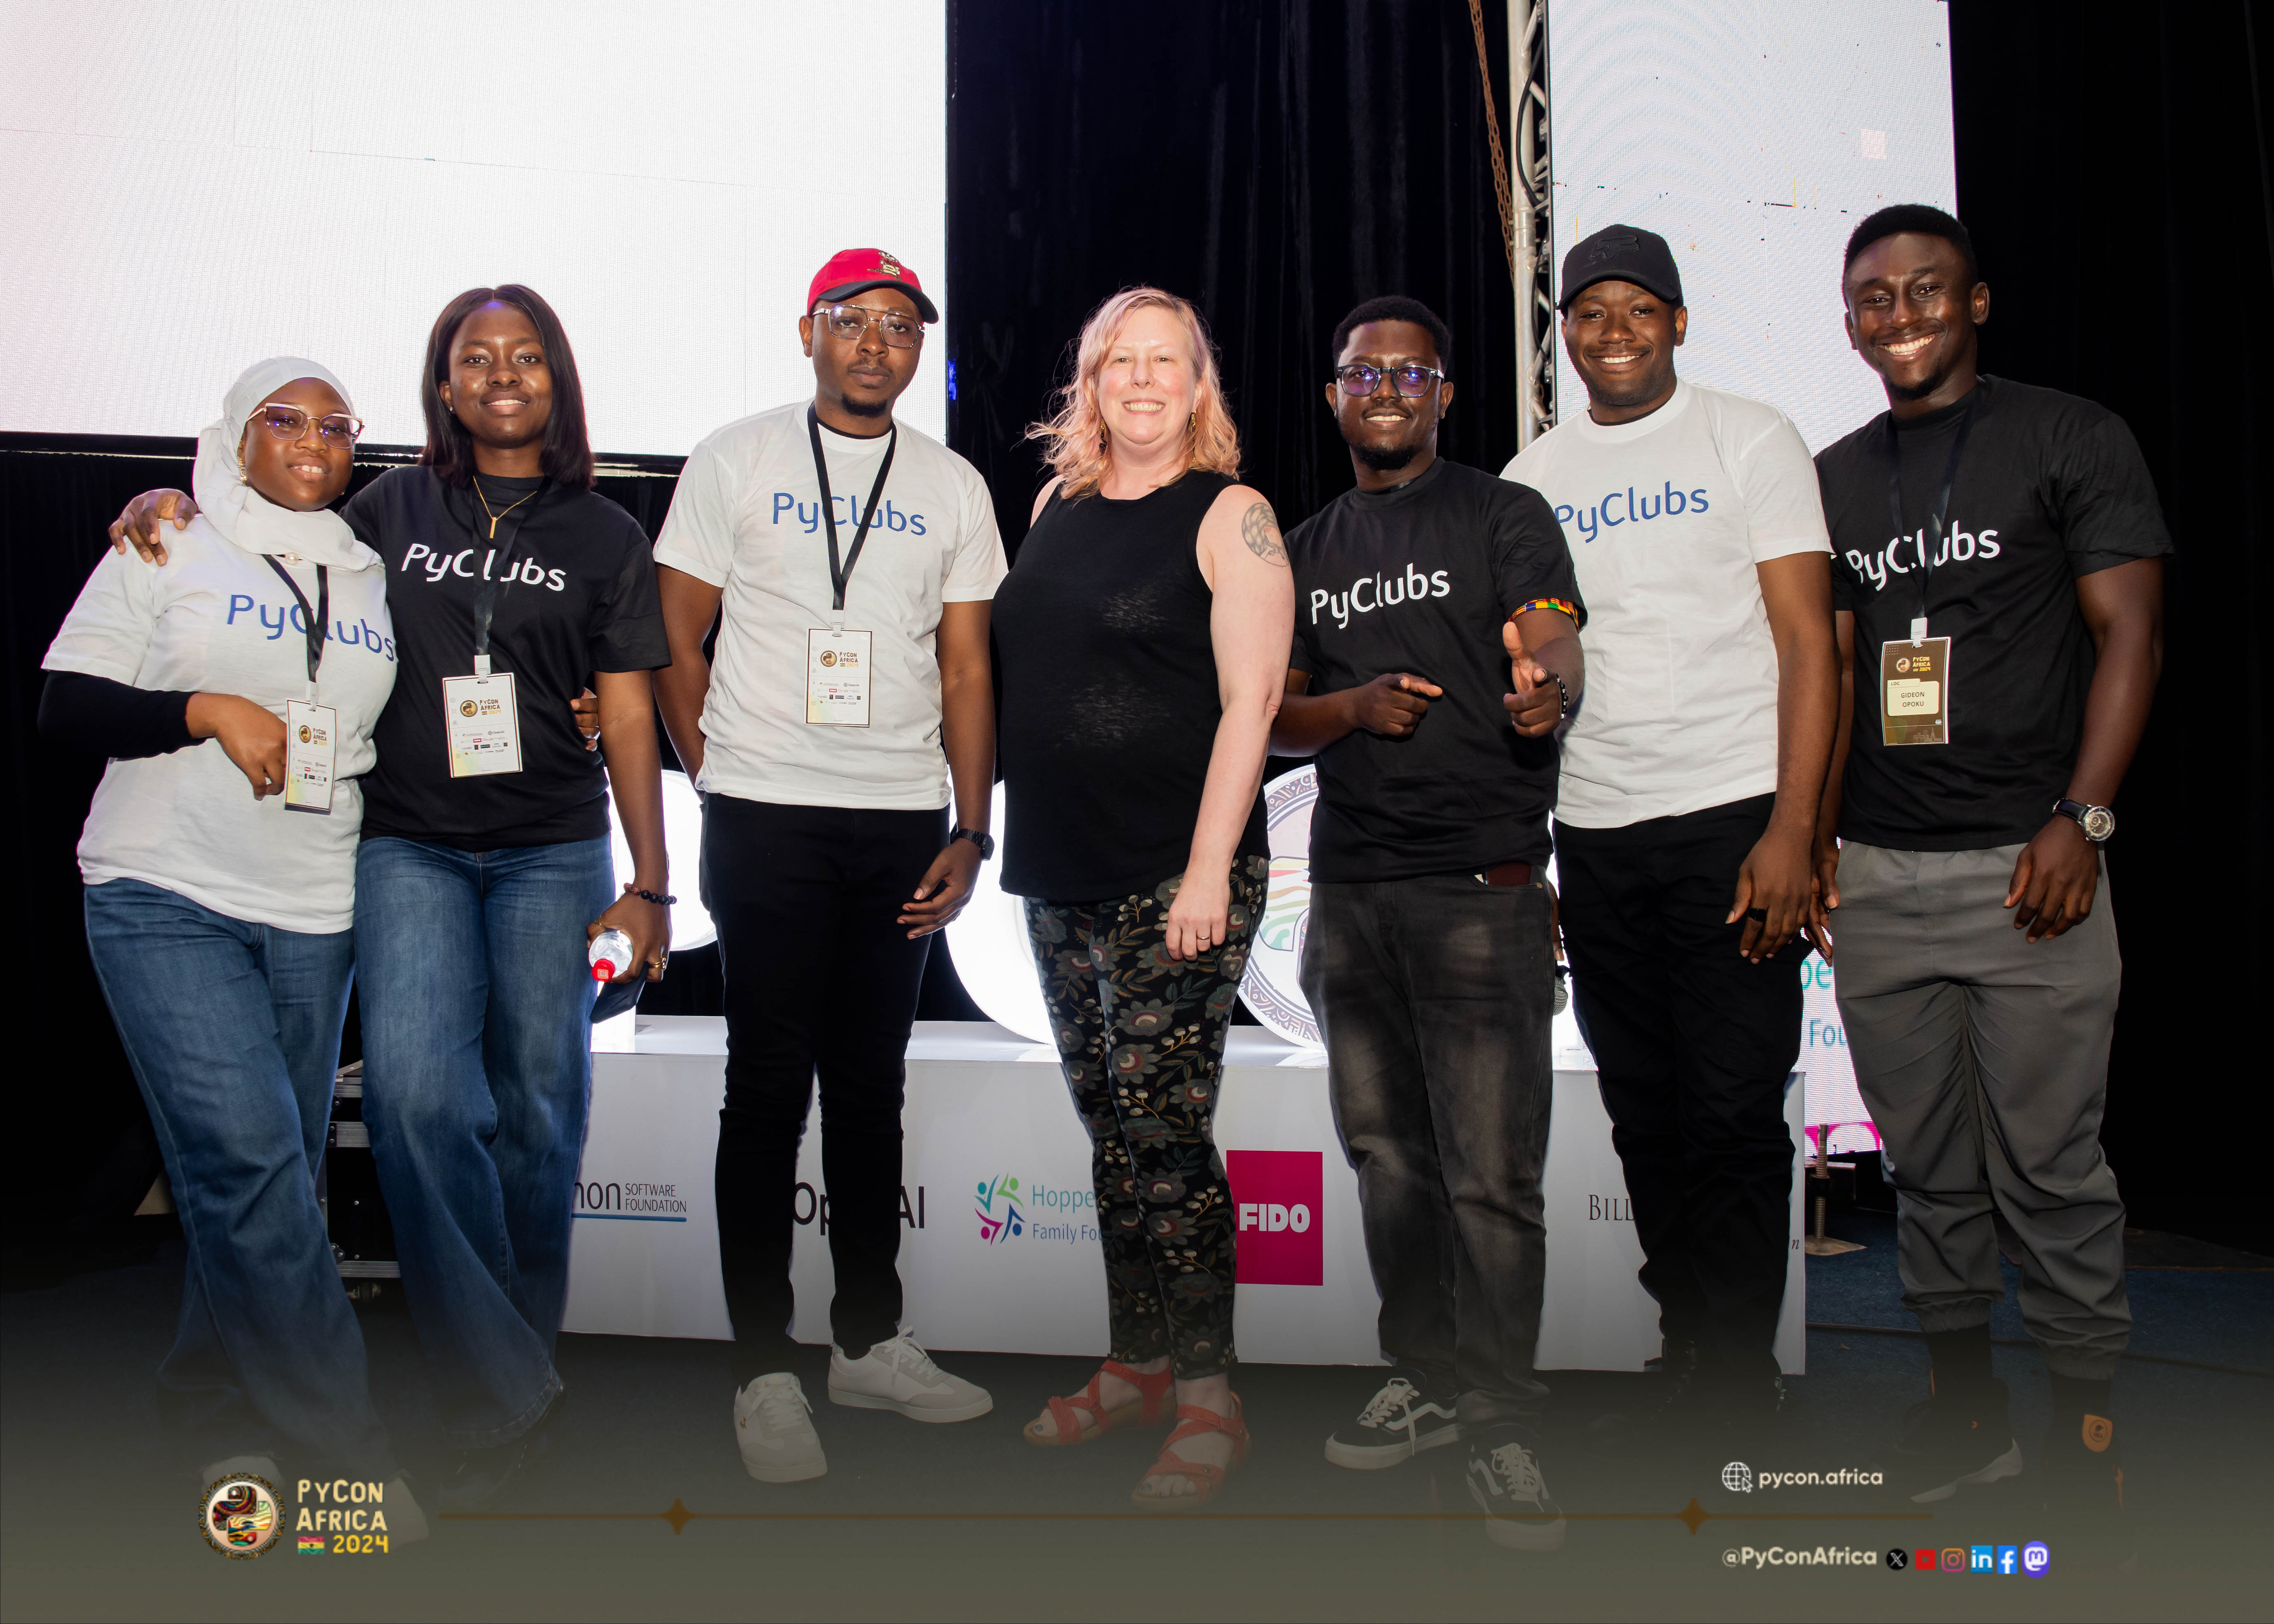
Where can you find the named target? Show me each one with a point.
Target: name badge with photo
(312, 735)
(484, 721)
(837, 670)
(1915, 689)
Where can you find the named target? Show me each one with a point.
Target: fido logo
(1277, 1195)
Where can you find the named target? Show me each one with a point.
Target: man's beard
(862, 408)
(1386, 459)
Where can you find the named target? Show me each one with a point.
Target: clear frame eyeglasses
(290, 423)
(851, 322)
(1412, 382)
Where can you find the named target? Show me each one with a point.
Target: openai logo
(1738, 1478)
(238, 1516)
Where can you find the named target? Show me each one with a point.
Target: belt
(1507, 875)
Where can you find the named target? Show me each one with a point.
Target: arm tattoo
(1260, 532)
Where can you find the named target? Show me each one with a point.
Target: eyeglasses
(1410, 382)
(852, 322)
(290, 423)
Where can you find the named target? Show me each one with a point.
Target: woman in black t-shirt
(484, 864)
(1143, 632)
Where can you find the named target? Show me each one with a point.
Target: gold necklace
(494, 517)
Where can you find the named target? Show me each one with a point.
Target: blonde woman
(1144, 632)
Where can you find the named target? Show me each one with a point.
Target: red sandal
(1206, 1481)
(1143, 1411)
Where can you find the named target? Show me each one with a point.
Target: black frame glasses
(838, 319)
(1412, 382)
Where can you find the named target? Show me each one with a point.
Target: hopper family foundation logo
(1041, 1212)
(1277, 1196)
(997, 1225)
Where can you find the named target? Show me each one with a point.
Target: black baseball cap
(1622, 253)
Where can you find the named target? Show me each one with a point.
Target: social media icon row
(2033, 1559)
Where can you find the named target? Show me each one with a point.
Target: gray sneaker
(774, 1426)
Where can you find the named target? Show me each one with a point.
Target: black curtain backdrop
(2113, 170)
(1278, 163)
(1274, 163)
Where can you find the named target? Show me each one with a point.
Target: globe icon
(1738, 1478)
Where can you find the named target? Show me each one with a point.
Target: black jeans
(819, 976)
(1434, 998)
(1693, 1045)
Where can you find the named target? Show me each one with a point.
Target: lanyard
(314, 619)
(1941, 500)
(485, 600)
(841, 575)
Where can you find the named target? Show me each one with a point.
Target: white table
(985, 1107)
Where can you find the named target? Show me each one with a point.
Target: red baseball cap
(857, 270)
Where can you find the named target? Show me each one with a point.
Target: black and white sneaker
(1506, 1482)
(1397, 1424)
(1954, 1441)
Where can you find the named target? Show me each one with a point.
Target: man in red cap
(853, 559)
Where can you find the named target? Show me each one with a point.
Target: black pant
(819, 974)
(1693, 1045)
(1434, 997)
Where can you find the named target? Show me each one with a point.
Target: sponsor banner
(999, 1222)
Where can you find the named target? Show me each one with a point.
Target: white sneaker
(773, 1426)
(261, 1466)
(899, 1375)
(1397, 1424)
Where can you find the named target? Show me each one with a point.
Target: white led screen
(188, 185)
(1752, 137)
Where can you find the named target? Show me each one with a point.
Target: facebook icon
(2009, 1558)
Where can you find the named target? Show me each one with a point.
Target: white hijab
(242, 514)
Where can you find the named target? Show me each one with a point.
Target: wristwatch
(2098, 822)
(984, 841)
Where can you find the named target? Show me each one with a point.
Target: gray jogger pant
(1984, 1062)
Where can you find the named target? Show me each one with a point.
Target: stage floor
(968, 1522)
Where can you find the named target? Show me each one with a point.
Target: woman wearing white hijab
(234, 691)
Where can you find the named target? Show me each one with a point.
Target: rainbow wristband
(1546, 603)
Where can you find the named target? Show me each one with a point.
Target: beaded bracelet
(648, 896)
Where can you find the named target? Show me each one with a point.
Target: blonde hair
(1076, 444)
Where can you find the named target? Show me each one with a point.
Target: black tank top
(1110, 698)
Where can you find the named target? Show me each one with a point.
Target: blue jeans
(478, 1068)
(233, 1030)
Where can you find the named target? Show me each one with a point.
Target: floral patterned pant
(1142, 1039)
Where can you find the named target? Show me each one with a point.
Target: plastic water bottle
(609, 955)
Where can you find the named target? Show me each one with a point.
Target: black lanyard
(313, 618)
(1942, 499)
(485, 600)
(841, 575)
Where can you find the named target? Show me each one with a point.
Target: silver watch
(2098, 822)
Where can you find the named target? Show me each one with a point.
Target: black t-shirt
(2051, 488)
(1421, 579)
(581, 599)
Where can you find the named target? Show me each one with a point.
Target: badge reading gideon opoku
(1915, 689)
(837, 677)
(484, 722)
(311, 734)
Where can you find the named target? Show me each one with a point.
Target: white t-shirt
(1666, 518)
(215, 620)
(747, 518)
